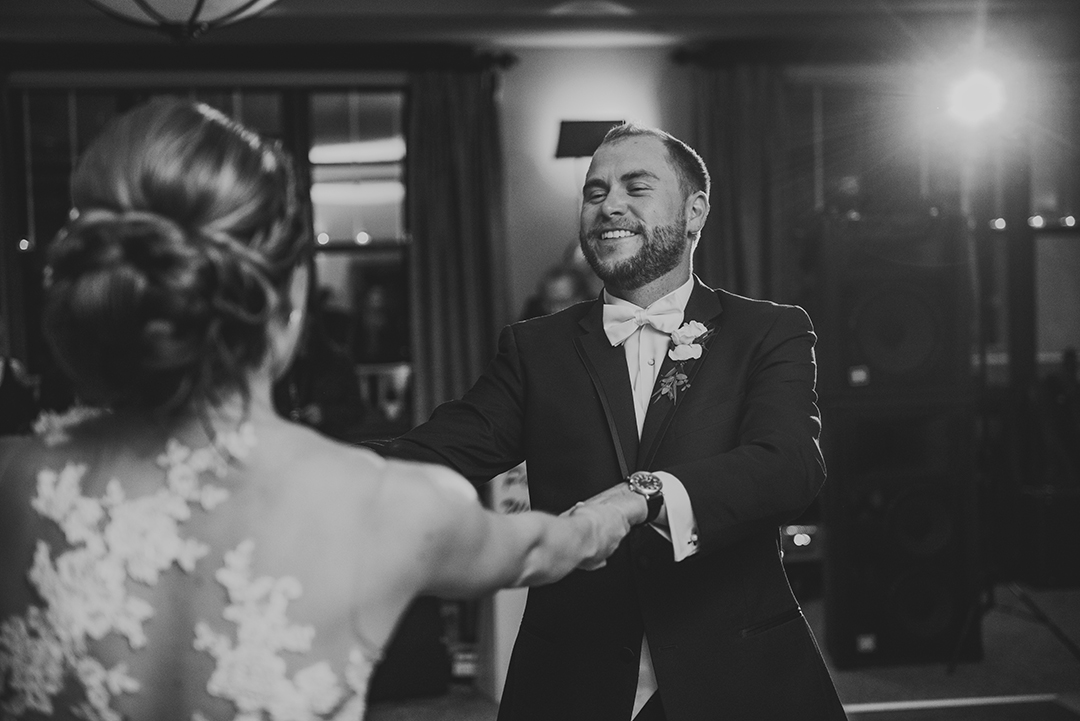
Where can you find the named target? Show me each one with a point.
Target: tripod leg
(1045, 620)
(975, 607)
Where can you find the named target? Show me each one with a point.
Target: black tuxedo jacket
(727, 637)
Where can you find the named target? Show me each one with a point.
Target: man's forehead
(631, 156)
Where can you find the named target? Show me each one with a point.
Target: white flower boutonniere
(687, 343)
(683, 340)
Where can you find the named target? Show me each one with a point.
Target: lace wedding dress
(93, 586)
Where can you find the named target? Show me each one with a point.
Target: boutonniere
(686, 344)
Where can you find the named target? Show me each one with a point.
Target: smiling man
(704, 402)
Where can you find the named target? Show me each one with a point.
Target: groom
(705, 402)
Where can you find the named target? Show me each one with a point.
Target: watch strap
(655, 502)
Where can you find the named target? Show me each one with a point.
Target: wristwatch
(648, 485)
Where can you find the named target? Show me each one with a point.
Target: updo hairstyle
(188, 229)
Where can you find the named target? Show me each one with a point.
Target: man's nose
(614, 204)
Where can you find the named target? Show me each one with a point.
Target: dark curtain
(455, 217)
(740, 129)
(12, 331)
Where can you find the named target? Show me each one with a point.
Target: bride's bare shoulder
(392, 475)
(423, 496)
(437, 483)
(300, 449)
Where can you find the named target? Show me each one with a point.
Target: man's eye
(638, 189)
(594, 196)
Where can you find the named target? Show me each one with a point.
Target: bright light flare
(976, 98)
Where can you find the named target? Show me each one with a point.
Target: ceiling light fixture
(182, 20)
(592, 8)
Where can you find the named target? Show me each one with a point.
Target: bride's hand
(612, 512)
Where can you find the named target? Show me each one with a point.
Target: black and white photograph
(540, 360)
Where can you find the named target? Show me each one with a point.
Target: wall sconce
(181, 20)
(581, 138)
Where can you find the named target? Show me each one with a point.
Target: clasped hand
(613, 512)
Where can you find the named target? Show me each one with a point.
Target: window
(351, 147)
(357, 154)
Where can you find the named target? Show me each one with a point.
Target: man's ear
(697, 210)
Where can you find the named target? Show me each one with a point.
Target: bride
(181, 551)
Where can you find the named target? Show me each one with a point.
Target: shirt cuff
(682, 526)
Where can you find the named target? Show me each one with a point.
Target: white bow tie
(620, 321)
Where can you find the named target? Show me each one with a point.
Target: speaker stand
(1035, 613)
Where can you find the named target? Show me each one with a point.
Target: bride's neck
(230, 409)
(256, 406)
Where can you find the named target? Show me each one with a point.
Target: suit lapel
(607, 368)
(703, 306)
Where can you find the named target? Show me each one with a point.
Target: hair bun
(99, 240)
(161, 290)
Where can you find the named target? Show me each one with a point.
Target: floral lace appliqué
(251, 672)
(52, 427)
(112, 539)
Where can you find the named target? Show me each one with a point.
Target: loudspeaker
(893, 313)
(1049, 543)
(894, 304)
(902, 568)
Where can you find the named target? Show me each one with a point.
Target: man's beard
(660, 252)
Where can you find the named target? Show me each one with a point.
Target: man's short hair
(693, 175)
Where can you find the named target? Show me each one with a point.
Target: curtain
(455, 217)
(12, 332)
(740, 128)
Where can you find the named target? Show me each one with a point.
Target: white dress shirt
(645, 350)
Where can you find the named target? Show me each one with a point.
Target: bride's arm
(470, 551)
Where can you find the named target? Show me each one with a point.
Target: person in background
(700, 402)
(1057, 426)
(560, 287)
(574, 257)
(18, 391)
(173, 548)
(380, 335)
(320, 387)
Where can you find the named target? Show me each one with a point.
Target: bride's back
(189, 551)
(263, 571)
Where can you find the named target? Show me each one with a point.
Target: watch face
(646, 484)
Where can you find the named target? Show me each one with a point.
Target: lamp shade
(182, 19)
(581, 138)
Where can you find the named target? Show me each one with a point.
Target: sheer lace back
(115, 543)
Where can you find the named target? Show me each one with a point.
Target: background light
(976, 98)
(384, 150)
(372, 192)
